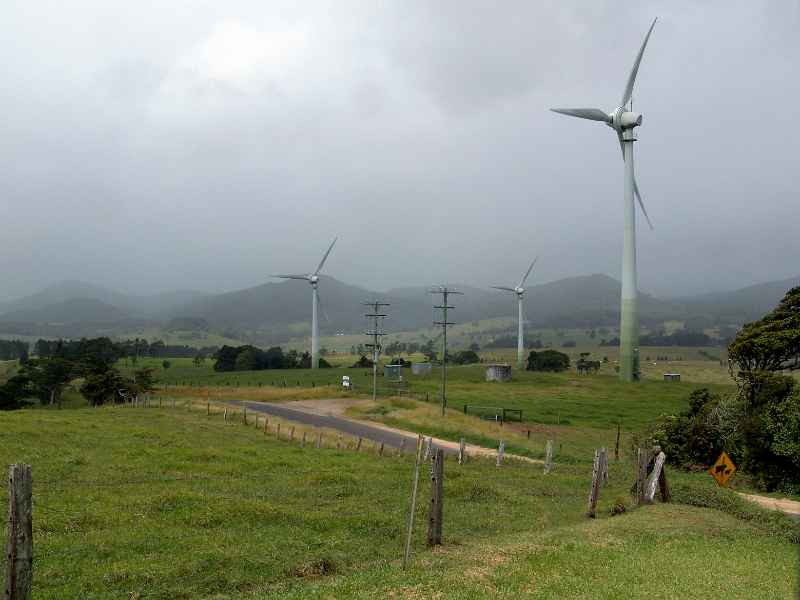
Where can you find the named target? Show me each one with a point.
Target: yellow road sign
(723, 469)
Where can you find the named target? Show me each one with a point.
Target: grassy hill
(149, 503)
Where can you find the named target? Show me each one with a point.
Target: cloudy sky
(152, 145)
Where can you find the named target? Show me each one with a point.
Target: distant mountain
(144, 306)
(74, 310)
(745, 304)
(573, 302)
(274, 311)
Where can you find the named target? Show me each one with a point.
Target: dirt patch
(790, 507)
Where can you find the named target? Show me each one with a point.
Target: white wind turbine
(623, 120)
(313, 279)
(519, 290)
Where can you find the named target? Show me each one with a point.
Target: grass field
(149, 503)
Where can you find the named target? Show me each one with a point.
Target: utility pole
(376, 332)
(444, 323)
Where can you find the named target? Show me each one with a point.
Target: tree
(465, 357)
(15, 392)
(247, 359)
(548, 360)
(49, 377)
(101, 387)
(770, 344)
(165, 364)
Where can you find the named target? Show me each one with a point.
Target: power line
(376, 332)
(444, 323)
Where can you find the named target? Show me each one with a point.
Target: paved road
(354, 428)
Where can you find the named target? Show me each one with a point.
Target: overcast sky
(203, 145)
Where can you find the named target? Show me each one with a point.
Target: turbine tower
(313, 279)
(519, 290)
(623, 120)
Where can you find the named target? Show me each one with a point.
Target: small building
(421, 368)
(672, 376)
(498, 372)
(393, 372)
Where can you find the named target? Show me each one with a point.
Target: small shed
(498, 372)
(672, 376)
(393, 372)
(421, 368)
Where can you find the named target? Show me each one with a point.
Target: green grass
(151, 503)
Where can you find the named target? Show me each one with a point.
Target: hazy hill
(274, 311)
(143, 306)
(745, 304)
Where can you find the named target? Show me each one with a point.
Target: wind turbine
(313, 279)
(623, 120)
(519, 290)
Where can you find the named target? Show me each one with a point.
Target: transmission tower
(444, 323)
(375, 332)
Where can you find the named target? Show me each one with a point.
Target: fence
(18, 571)
(494, 413)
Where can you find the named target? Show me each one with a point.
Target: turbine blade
(502, 287)
(593, 114)
(291, 276)
(636, 186)
(641, 203)
(626, 95)
(324, 258)
(322, 308)
(528, 272)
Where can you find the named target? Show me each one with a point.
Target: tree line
(250, 358)
(44, 379)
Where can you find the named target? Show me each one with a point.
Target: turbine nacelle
(622, 119)
(313, 279)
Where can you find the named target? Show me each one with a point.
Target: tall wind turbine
(519, 290)
(623, 120)
(313, 279)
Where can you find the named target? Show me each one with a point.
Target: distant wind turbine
(519, 290)
(623, 120)
(313, 279)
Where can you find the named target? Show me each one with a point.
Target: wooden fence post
(339, 442)
(426, 454)
(291, 434)
(435, 508)
(616, 446)
(380, 450)
(652, 482)
(603, 466)
(642, 459)
(461, 454)
(208, 409)
(663, 486)
(595, 487)
(548, 457)
(266, 425)
(19, 547)
(225, 414)
(244, 416)
(414, 485)
(500, 451)
(318, 445)
(358, 445)
(278, 431)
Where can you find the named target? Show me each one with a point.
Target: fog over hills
(274, 310)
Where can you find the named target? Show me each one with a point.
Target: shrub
(548, 360)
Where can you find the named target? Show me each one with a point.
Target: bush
(761, 436)
(548, 360)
